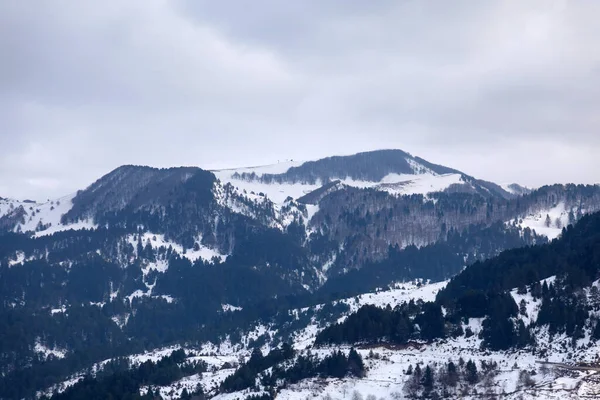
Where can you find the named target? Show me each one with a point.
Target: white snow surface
(402, 184)
(46, 352)
(260, 170)
(401, 293)
(230, 308)
(394, 184)
(158, 240)
(44, 218)
(559, 218)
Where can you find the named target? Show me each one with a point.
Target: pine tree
(451, 374)
(427, 380)
(355, 364)
(571, 218)
(523, 308)
(594, 297)
(471, 372)
(418, 372)
(596, 332)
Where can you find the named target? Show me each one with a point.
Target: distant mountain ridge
(374, 167)
(399, 199)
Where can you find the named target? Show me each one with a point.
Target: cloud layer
(504, 90)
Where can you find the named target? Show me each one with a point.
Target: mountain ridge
(146, 257)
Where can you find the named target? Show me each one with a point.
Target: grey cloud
(85, 87)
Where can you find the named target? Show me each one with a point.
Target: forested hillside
(146, 259)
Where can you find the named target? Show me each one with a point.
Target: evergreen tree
(428, 379)
(451, 375)
(472, 376)
(596, 331)
(523, 308)
(356, 364)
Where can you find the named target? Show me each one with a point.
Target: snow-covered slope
(42, 218)
(276, 192)
(396, 184)
(545, 372)
(413, 184)
(192, 254)
(548, 222)
(518, 374)
(260, 170)
(515, 188)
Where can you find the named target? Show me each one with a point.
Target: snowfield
(46, 352)
(158, 240)
(547, 222)
(423, 181)
(394, 184)
(44, 218)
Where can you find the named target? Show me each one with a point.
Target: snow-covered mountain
(348, 210)
(223, 262)
(391, 171)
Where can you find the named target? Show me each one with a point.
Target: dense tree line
(447, 380)
(123, 382)
(335, 365)
(436, 262)
(371, 324)
(245, 376)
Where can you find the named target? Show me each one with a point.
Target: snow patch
(158, 240)
(230, 308)
(46, 352)
(547, 222)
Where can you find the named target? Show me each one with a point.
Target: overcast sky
(503, 90)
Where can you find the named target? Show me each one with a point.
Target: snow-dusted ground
(402, 293)
(158, 240)
(260, 170)
(217, 359)
(514, 188)
(397, 184)
(386, 365)
(277, 193)
(46, 352)
(386, 376)
(44, 218)
(393, 183)
(423, 181)
(230, 308)
(558, 218)
(386, 373)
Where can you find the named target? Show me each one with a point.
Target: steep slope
(41, 218)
